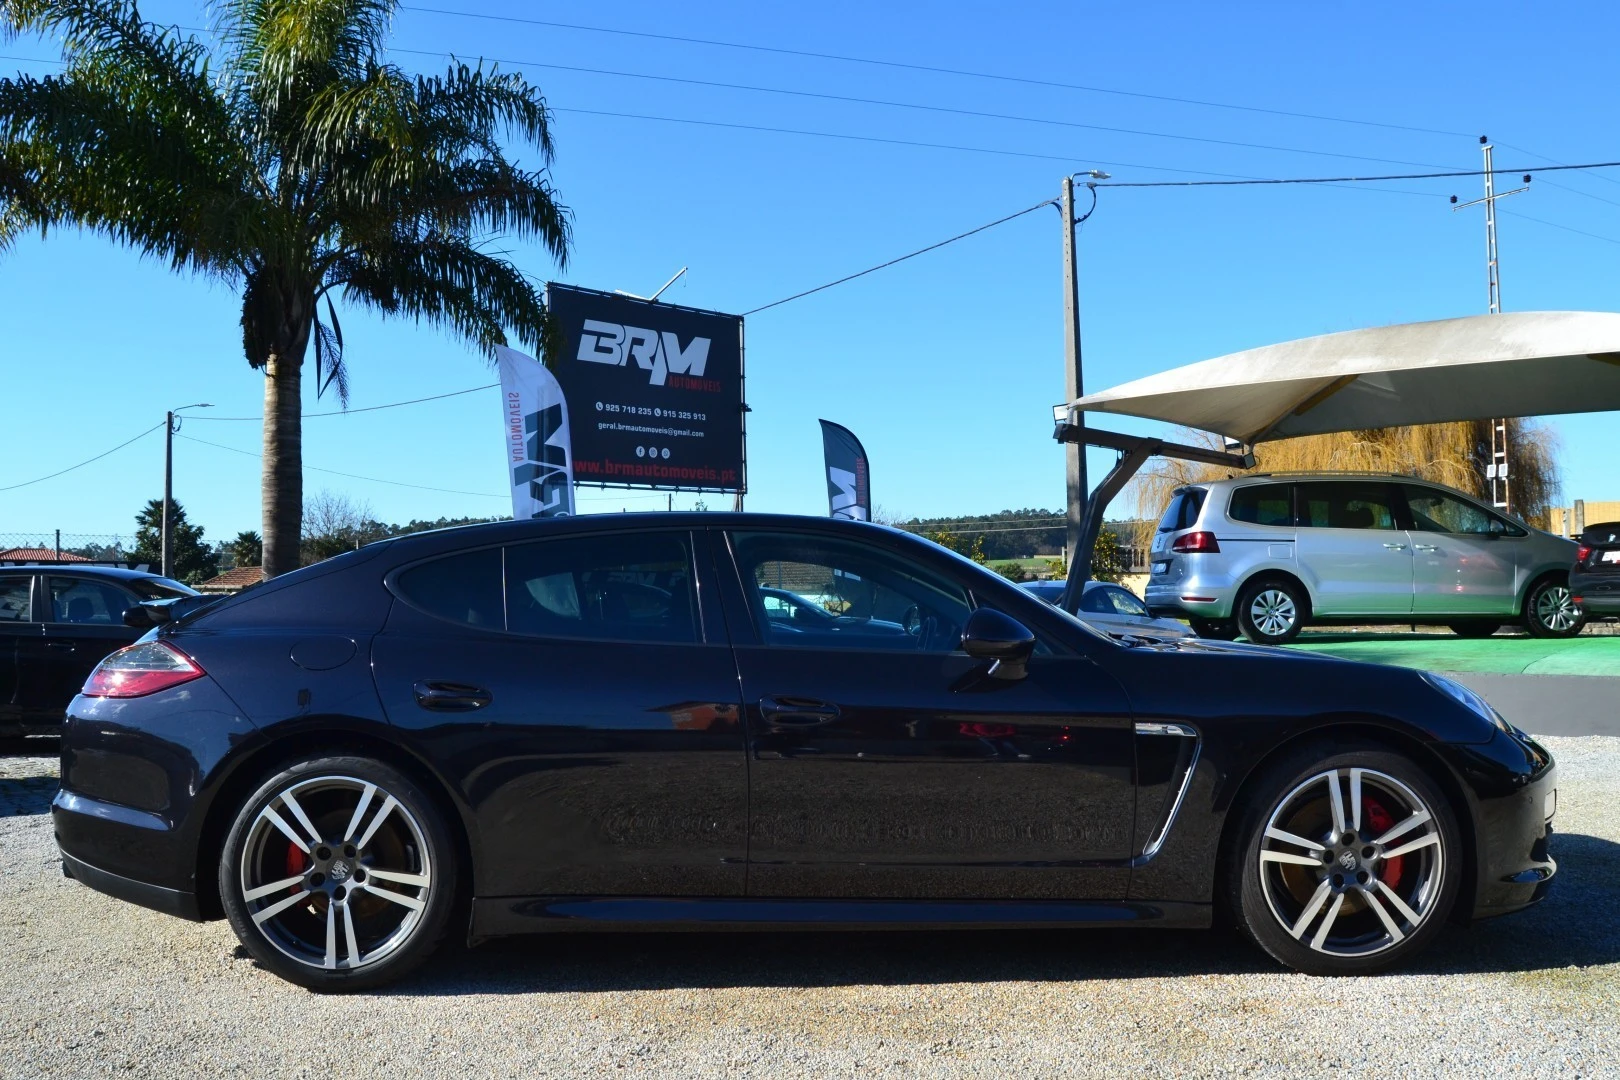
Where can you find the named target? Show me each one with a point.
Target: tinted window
(14, 598)
(464, 588)
(1126, 604)
(1096, 601)
(1263, 504)
(82, 600)
(627, 587)
(866, 598)
(1436, 511)
(1344, 505)
(1182, 513)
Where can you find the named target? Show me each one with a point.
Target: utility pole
(166, 561)
(1497, 471)
(166, 556)
(1074, 453)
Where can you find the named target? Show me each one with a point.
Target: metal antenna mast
(1497, 471)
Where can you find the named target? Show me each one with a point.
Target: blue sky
(947, 365)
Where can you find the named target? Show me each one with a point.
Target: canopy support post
(1134, 451)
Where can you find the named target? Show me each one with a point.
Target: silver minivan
(1264, 555)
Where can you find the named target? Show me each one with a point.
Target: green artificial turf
(1501, 655)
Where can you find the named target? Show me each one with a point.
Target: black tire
(355, 819)
(1214, 630)
(1341, 931)
(1272, 611)
(1474, 629)
(1550, 610)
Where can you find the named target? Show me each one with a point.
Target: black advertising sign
(654, 391)
(849, 478)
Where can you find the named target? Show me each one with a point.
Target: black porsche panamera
(600, 723)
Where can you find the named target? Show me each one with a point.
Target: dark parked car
(482, 720)
(1111, 608)
(1595, 579)
(56, 623)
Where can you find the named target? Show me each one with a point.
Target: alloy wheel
(1352, 862)
(1557, 610)
(1273, 612)
(335, 873)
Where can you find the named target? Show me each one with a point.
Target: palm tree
(293, 161)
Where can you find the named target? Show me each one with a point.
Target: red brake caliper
(297, 862)
(1379, 822)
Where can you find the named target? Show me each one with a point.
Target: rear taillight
(1583, 552)
(141, 669)
(1190, 543)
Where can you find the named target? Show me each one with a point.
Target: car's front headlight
(1468, 699)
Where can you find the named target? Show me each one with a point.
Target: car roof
(120, 573)
(498, 531)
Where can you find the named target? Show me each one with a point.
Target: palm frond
(446, 282)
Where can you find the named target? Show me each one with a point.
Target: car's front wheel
(1550, 610)
(1350, 861)
(1271, 611)
(338, 874)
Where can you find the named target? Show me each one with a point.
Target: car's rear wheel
(1475, 629)
(1215, 630)
(1271, 611)
(338, 874)
(1350, 861)
(1550, 610)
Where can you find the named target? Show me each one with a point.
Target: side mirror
(990, 635)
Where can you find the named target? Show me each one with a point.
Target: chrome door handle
(1425, 547)
(797, 712)
(451, 697)
(1396, 547)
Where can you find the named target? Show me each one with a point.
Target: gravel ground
(91, 986)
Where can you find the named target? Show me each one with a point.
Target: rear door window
(1345, 504)
(625, 587)
(1263, 504)
(86, 602)
(15, 598)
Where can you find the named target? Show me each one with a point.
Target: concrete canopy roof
(1536, 363)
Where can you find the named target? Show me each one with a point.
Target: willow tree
(1452, 454)
(289, 158)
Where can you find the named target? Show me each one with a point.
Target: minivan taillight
(1192, 542)
(141, 669)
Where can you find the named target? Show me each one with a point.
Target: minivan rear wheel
(1271, 611)
(1550, 610)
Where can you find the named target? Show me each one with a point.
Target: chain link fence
(53, 545)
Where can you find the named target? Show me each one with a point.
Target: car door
(1354, 555)
(587, 710)
(84, 621)
(1465, 560)
(20, 646)
(888, 765)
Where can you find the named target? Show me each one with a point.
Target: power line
(902, 258)
(368, 408)
(932, 70)
(82, 464)
(1555, 161)
(1067, 159)
(932, 108)
(1349, 179)
(1555, 225)
(351, 476)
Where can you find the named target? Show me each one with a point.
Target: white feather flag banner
(539, 458)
